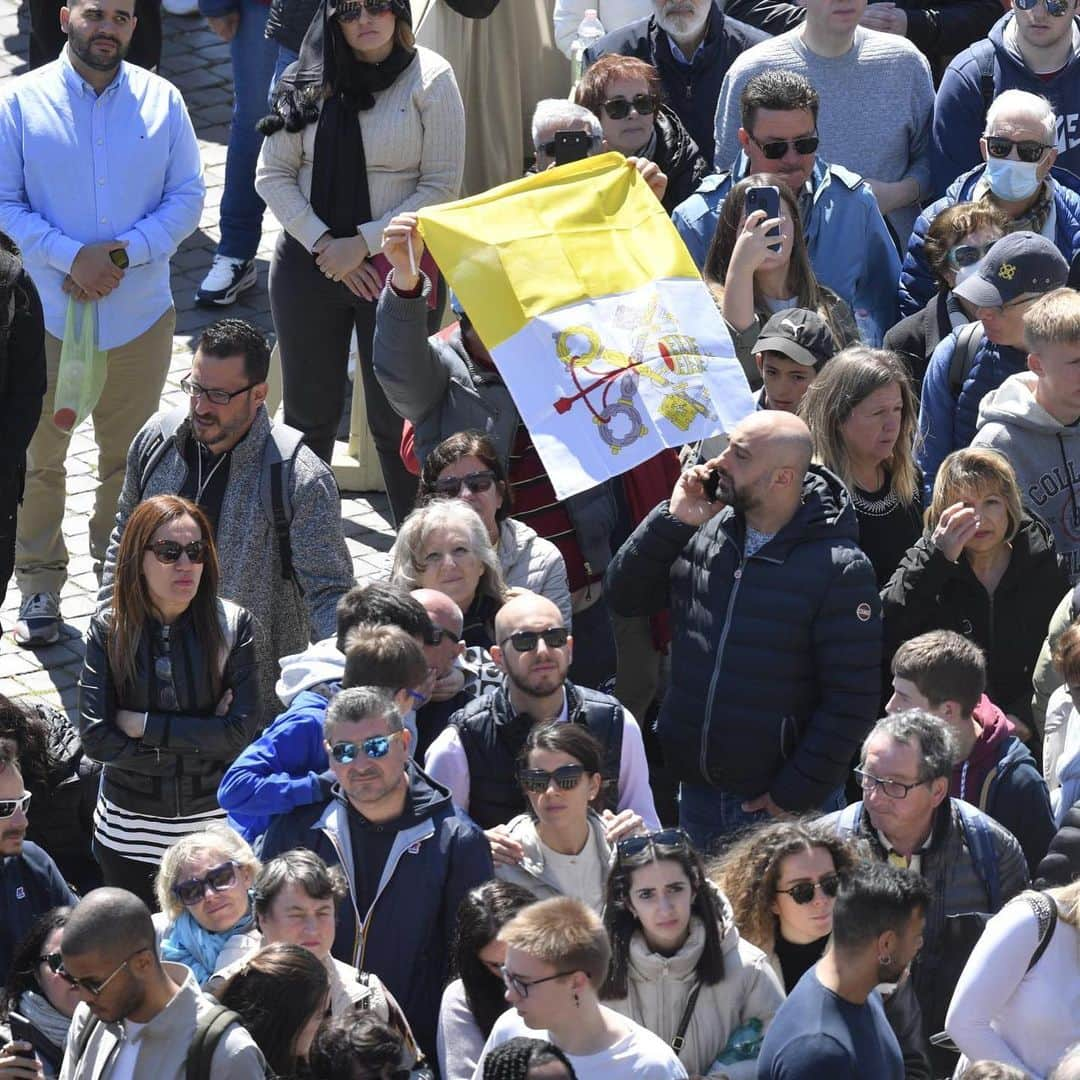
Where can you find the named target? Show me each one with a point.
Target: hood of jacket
(317, 664)
(1013, 402)
(523, 829)
(1008, 54)
(675, 146)
(995, 732)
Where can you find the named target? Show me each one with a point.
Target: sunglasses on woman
(9, 806)
(1053, 7)
(477, 483)
(216, 879)
(965, 255)
(352, 11)
(803, 891)
(537, 781)
(1029, 150)
(619, 108)
(169, 551)
(775, 149)
(669, 839)
(378, 746)
(527, 640)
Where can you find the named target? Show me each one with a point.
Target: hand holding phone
(571, 146)
(694, 499)
(766, 198)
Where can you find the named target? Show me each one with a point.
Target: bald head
(111, 922)
(526, 608)
(785, 438)
(441, 609)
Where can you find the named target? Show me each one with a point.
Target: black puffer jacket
(678, 157)
(175, 768)
(775, 658)
(1061, 864)
(928, 592)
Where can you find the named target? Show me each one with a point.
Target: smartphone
(120, 258)
(712, 483)
(21, 1031)
(571, 146)
(767, 199)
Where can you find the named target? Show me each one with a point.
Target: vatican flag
(584, 293)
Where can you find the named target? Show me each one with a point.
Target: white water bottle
(590, 30)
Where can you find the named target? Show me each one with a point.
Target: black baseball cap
(1020, 263)
(800, 335)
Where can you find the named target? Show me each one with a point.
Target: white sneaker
(39, 620)
(225, 281)
(181, 7)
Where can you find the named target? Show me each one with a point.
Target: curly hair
(748, 872)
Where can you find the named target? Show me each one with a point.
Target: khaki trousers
(133, 383)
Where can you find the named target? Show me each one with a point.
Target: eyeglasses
(566, 777)
(477, 483)
(216, 879)
(9, 806)
(1028, 150)
(351, 12)
(527, 640)
(88, 986)
(803, 891)
(619, 108)
(775, 149)
(1053, 7)
(169, 551)
(520, 986)
(895, 789)
(435, 635)
(964, 255)
(218, 397)
(670, 839)
(378, 746)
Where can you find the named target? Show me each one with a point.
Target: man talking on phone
(776, 629)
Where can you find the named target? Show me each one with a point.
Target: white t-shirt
(639, 1053)
(124, 1065)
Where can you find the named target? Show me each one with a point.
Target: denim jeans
(284, 58)
(253, 58)
(712, 818)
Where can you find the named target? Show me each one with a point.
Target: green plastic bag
(82, 368)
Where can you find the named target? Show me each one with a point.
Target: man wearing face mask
(1017, 176)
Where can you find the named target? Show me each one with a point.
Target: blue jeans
(284, 58)
(712, 818)
(253, 58)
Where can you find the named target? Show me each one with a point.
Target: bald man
(776, 623)
(476, 755)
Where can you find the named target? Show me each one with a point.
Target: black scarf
(327, 71)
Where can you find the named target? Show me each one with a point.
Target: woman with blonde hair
(985, 568)
(753, 275)
(1018, 999)
(863, 419)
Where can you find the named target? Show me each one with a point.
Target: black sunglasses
(351, 12)
(537, 781)
(670, 839)
(169, 551)
(619, 108)
(803, 891)
(1028, 150)
(477, 483)
(216, 879)
(435, 635)
(775, 149)
(93, 987)
(527, 640)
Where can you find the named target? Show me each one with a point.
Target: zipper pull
(588, 580)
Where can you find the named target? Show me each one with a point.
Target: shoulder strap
(983, 51)
(1046, 912)
(684, 1023)
(279, 453)
(968, 341)
(209, 1031)
(158, 446)
(981, 845)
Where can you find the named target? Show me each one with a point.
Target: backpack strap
(279, 454)
(968, 340)
(1046, 913)
(983, 52)
(209, 1031)
(980, 844)
(158, 446)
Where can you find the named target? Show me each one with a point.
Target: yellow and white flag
(584, 293)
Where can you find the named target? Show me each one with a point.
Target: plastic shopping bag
(82, 368)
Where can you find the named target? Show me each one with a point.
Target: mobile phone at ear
(571, 146)
(711, 484)
(765, 198)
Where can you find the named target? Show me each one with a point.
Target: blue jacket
(437, 856)
(775, 659)
(850, 246)
(30, 884)
(280, 770)
(960, 115)
(917, 282)
(948, 422)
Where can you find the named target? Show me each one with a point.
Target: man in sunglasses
(849, 244)
(408, 853)
(30, 882)
(906, 817)
(476, 755)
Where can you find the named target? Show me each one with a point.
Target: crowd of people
(761, 759)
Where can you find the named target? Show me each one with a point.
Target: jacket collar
(250, 446)
(523, 829)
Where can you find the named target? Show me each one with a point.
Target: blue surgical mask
(1012, 180)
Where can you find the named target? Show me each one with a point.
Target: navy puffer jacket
(775, 663)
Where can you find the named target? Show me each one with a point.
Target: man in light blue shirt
(100, 182)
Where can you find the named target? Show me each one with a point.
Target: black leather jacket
(174, 769)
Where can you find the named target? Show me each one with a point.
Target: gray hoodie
(1045, 455)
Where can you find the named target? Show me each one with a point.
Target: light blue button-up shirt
(77, 168)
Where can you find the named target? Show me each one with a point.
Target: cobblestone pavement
(197, 62)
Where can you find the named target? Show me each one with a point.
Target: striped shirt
(142, 837)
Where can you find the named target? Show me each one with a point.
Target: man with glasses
(907, 819)
(849, 244)
(137, 1016)
(476, 755)
(408, 854)
(225, 453)
(30, 882)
